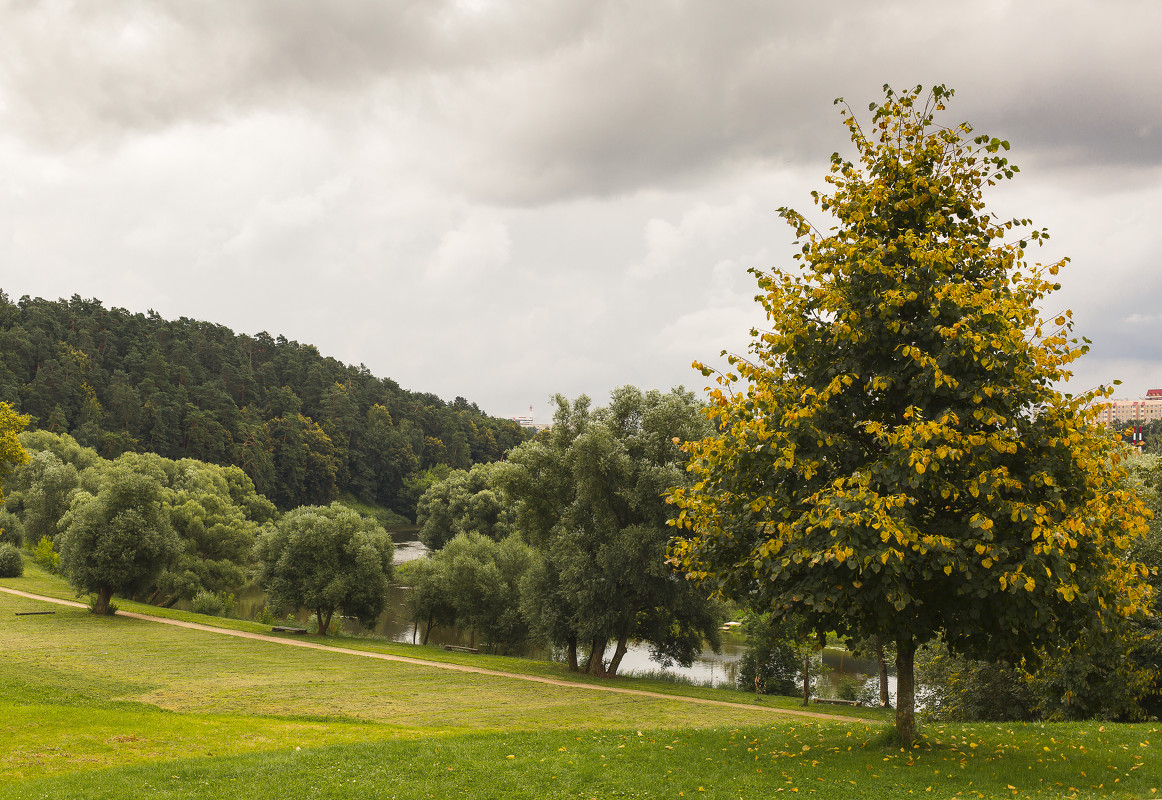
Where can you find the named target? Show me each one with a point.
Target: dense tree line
(139, 524)
(564, 542)
(304, 427)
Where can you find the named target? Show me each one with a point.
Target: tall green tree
(120, 539)
(589, 497)
(326, 559)
(429, 600)
(481, 581)
(893, 457)
(464, 502)
(43, 489)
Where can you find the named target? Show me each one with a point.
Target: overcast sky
(506, 200)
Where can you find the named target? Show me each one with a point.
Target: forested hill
(303, 426)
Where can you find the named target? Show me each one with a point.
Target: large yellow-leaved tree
(893, 457)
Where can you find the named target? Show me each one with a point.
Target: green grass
(37, 581)
(113, 707)
(381, 514)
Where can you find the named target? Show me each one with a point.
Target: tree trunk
(618, 654)
(806, 677)
(324, 625)
(905, 690)
(883, 665)
(104, 595)
(572, 647)
(597, 658)
(427, 629)
(588, 659)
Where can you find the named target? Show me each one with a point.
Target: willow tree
(893, 458)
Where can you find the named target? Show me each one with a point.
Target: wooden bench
(837, 702)
(287, 629)
(456, 648)
(32, 613)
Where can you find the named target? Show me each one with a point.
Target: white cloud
(479, 245)
(669, 245)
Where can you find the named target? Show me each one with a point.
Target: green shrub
(208, 603)
(46, 556)
(11, 562)
(848, 687)
(11, 528)
(266, 616)
(771, 663)
(958, 689)
(334, 629)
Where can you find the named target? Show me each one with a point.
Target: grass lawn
(115, 707)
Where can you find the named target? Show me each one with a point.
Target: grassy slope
(37, 581)
(114, 707)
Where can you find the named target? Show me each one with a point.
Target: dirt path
(442, 665)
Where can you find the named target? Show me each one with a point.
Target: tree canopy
(589, 498)
(463, 502)
(214, 510)
(326, 559)
(303, 426)
(893, 458)
(118, 540)
(475, 582)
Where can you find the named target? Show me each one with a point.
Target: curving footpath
(442, 665)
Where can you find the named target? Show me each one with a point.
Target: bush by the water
(771, 663)
(208, 603)
(848, 687)
(1102, 679)
(11, 562)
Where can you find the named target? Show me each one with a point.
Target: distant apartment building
(528, 422)
(1127, 412)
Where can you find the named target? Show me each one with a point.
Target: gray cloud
(543, 196)
(541, 101)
